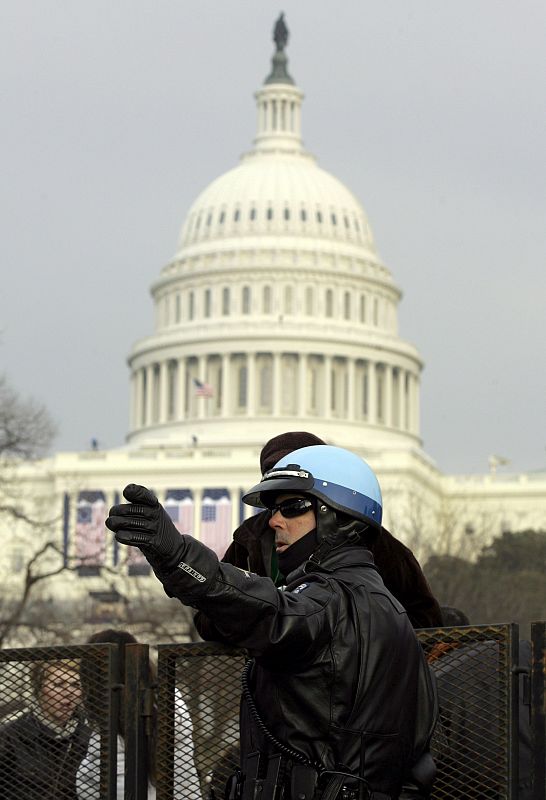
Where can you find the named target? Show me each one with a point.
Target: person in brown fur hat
(253, 549)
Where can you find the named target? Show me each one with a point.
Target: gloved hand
(144, 523)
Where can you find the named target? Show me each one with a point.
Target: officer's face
(289, 529)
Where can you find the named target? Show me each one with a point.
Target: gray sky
(117, 114)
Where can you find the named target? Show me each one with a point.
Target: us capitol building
(276, 313)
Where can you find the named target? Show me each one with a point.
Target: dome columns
(306, 386)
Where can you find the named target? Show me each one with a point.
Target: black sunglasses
(293, 507)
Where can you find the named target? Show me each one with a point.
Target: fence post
(137, 689)
(538, 708)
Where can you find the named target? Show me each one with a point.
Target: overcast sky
(117, 113)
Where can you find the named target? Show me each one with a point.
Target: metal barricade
(475, 744)
(537, 700)
(58, 723)
(200, 683)
(72, 726)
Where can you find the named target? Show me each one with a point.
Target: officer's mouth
(280, 547)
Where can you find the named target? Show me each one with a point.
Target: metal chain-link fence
(73, 727)
(475, 742)
(58, 722)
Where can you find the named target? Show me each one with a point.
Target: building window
(346, 221)
(225, 301)
(209, 219)
(177, 309)
(266, 386)
(347, 305)
(191, 305)
(309, 304)
(155, 394)
(334, 219)
(242, 387)
(222, 218)
(288, 300)
(269, 213)
(375, 311)
(303, 215)
(267, 300)
(252, 214)
(363, 308)
(319, 217)
(246, 300)
(172, 376)
(208, 302)
(287, 213)
(236, 215)
(329, 303)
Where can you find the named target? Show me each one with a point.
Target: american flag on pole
(216, 527)
(179, 506)
(202, 389)
(90, 537)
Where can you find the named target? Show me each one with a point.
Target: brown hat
(283, 444)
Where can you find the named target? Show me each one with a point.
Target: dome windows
(319, 217)
(329, 302)
(222, 217)
(236, 215)
(287, 214)
(266, 300)
(252, 214)
(333, 218)
(245, 300)
(269, 213)
(226, 301)
(208, 303)
(303, 215)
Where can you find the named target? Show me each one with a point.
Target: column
(201, 376)
(387, 400)
(163, 391)
(302, 386)
(226, 385)
(416, 414)
(401, 398)
(136, 410)
(372, 393)
(250, 384)
(180, 412)
(276, 384)
(149, 393)
(351, 393)
(327, 390)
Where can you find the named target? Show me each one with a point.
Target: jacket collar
(337, 559)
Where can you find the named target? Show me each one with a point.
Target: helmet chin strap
(331, 534)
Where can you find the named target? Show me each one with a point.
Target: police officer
(338, 699)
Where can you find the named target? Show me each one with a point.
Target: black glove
(144, 523)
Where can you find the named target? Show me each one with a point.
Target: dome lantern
(279, 102)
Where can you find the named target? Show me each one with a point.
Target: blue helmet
(339, 478)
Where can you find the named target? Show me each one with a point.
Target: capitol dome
(276, 311)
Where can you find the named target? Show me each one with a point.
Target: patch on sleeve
(300, 588)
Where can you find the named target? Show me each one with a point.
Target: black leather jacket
(339, 671)
(36, 763)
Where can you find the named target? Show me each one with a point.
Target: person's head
(57, 689)
(283, 444)
(292, 518)
(113, 636)
(343, 487)
(453, 617)
(94, 689)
